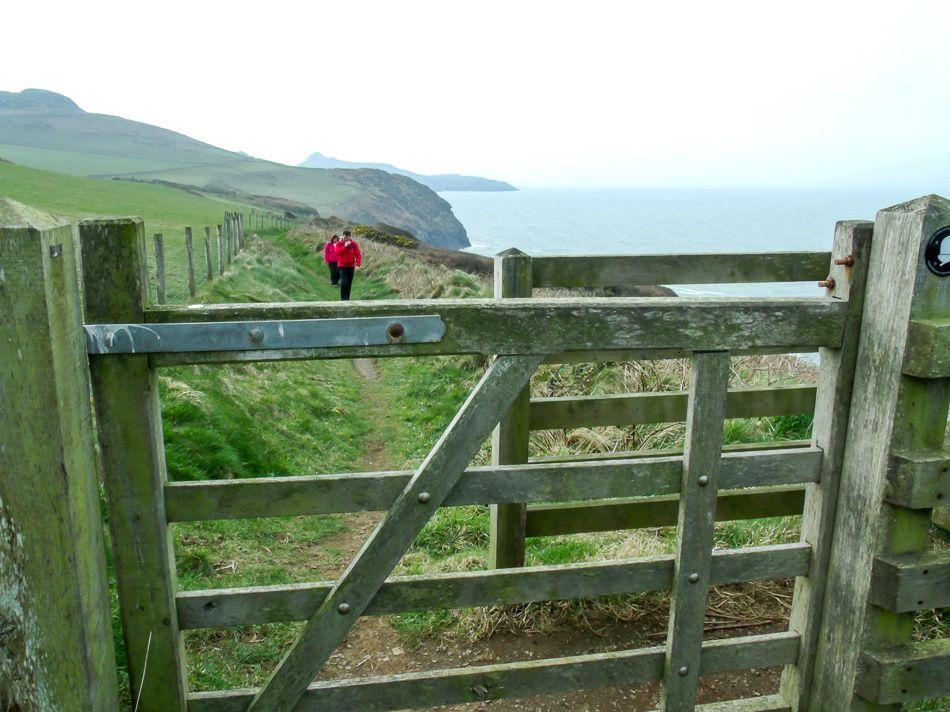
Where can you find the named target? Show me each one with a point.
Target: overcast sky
(843, 94)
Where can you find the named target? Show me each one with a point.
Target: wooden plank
(911, 582)
(159, 241)
(510, 326)
(512, 276)
(257, 605)
(615, 355)
(190, 259)
(917, 671)
(632, 270)
(209, 265)
(522, 679)
(671, 452)
(424, 493)
(769, 703)
(554, 482)
(829, 432)
(647, 512)
(889, 413)
(56, 649)
(928, 349)
(669, 407)
(129, 425)
(702, 454)
(918, 480)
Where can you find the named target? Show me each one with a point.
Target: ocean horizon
(577, 221)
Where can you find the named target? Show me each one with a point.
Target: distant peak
(38, 101)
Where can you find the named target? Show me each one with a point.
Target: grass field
(165, 210)
(82, 163)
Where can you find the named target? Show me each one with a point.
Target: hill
(46, 130)
(438, 182)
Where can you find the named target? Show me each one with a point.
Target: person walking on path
(348, 260)
(329, 256)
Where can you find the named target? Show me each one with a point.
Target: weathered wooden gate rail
(858, 561)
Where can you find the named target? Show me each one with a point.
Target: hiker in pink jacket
(329, 256)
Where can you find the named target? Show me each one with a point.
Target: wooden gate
(128, 341)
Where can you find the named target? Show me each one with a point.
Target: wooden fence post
(209, 275)
(510, 439)
(159, 239)
(56, 649)
(892, 413)
(220, 250)
(228, 247)
(190, 251)
(129, 421)
(835, 382)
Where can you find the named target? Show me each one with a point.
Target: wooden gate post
(850, 255)
(129, 420)
(892, 414)
(56, 649)
(510, 439)
(190, 252)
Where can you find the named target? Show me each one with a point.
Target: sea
(629, 221)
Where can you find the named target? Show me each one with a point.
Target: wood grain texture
(56, 650)
(255, 605)
(632, 270)
(917, 671)
(647, 512)
(221, 251)
(546, 325)
(512, 274)
(928, 349)
(640, 408)
(419, 690)
(250, 498)
(424, 493)
(889, 413)
(702, 454)
(128, 417)
(829, 432)
(911, 582)
(918, 479)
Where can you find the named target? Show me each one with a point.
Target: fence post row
(115, 286)
(513, 278)
(56, 648)
(221, 253)
(895, 446)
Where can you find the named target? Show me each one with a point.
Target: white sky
(841, 94)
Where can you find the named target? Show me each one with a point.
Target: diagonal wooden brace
(414, 507)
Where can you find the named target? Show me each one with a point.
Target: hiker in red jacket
(329, 256)
(348, 259)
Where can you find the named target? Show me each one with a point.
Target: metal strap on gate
(262, 335)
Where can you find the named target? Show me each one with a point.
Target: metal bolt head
(827, 283)
(256, 335)
(395, 332)
(56, 250)
(693, 577)
(423, 497)
(683, 671)
(846, 261)
(703, 480)
(343, 608)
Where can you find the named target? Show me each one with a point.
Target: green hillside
(164, 209)
(46, 130)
